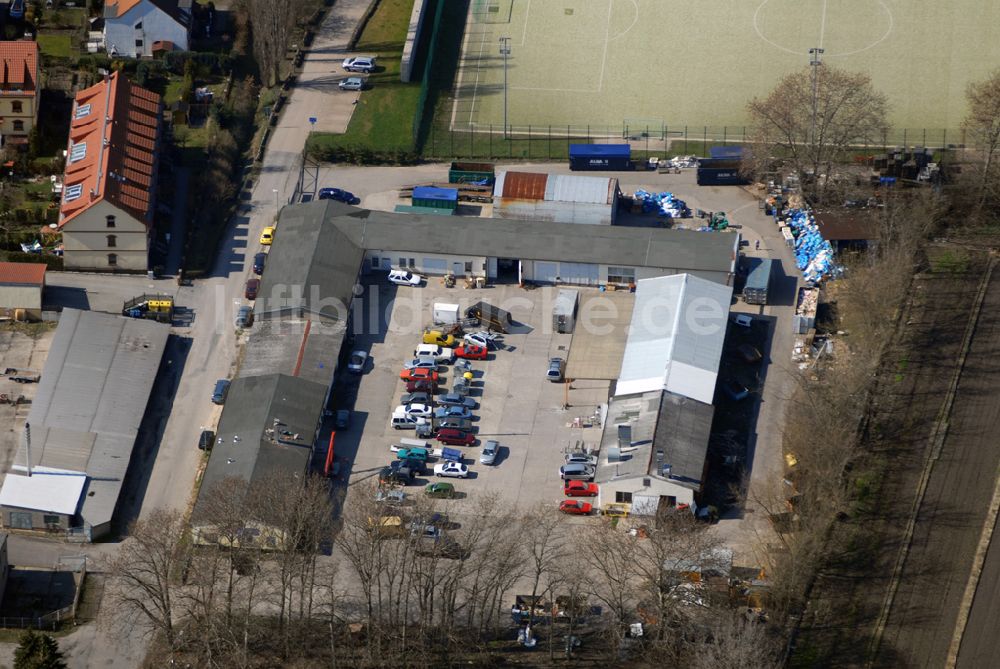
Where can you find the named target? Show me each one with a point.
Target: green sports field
(697, 62)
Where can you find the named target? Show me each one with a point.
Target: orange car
(419, 374)
(576, 507)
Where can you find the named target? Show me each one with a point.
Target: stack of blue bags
(813, 254)
(665, 204)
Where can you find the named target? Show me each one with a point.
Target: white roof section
(46, 490)
(675, 338)
(90, 402)
(573, 188)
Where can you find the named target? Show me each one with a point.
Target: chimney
(659, 459)
(27, 440)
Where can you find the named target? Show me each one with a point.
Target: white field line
(475, 88)
(527, 10)
(607, 40)
(822, 25)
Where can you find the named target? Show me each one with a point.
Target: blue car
(452, 412)
(339, 195)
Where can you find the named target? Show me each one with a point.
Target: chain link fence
(551, 142)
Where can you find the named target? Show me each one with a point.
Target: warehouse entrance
(507, 270)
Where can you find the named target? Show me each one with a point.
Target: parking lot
(517, 405)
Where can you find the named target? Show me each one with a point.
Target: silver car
(489, 454)
(581, 459)
(351, 84)
(423, 362)
(555, 373)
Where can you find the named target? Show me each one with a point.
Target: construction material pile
(813, 254)
(665, 204)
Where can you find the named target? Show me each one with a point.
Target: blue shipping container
(711, 176)
(600, 157)
(726, 152)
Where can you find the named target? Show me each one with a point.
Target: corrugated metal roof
(521, 185)
(295, 347)
(675, 339)
(555, 187)
(91, 399)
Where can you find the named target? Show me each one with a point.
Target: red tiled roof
(114, 9)
(118, 163)
(18, 67)
(28, 273)
(524, 185)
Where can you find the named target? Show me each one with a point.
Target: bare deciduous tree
(813, 119)
(982, 124)
(272, 22)
(143, 575)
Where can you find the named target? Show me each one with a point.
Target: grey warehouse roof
(677, 426)
(90, 402)
(268, 426)
(294, 346)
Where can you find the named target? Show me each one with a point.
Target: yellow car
(438, 338)
(267, 236)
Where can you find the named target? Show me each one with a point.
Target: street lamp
(815, 60)
(505, 51)
(277, 209)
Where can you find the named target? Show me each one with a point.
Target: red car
(419, 375)
(575, 506)
(455, 437)
(421, 386)
(253, 285)
(580, 489)
(471, 351)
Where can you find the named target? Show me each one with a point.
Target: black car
(398, 472)
(206, 440)
(339, 195)
(258, 263)
(417, 397)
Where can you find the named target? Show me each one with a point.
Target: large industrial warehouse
(83, 424)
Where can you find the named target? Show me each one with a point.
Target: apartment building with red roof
(109, 186)
(20, 90)
(138, 28)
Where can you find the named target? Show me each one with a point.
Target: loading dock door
(546, 272)
(580, 273)
(436, 265)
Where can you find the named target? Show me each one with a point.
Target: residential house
(109, 186)
(19, 90)
(137, 28)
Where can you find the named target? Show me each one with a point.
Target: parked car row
(577, 475)
(444, 415)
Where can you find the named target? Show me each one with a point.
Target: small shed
(564, 310)
(435, 198)
(21, 288)
(562, 198)
(847, 230)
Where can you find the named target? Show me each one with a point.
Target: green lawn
(383, 118)
(56, 45)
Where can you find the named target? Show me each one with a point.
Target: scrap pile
(665, 204)
(813, 254)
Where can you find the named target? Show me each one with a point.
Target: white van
(439, 353)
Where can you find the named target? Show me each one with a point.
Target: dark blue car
(258, 263)
(339, 195)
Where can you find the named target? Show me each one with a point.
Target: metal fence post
(451, 133)
(904, 139)
(491, 142)
(472, 140)
(529, 141)
(704, 141)
(724, 134)
(550, 143)
(685, 140)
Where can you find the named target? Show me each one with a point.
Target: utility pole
(505, 52)
(277, 207)
(815, 60)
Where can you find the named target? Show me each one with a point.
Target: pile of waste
(683, 161)
(813, 254)
(664, 204)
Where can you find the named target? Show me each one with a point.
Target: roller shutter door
(546, 272)
(580, 273)
(436, 265)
